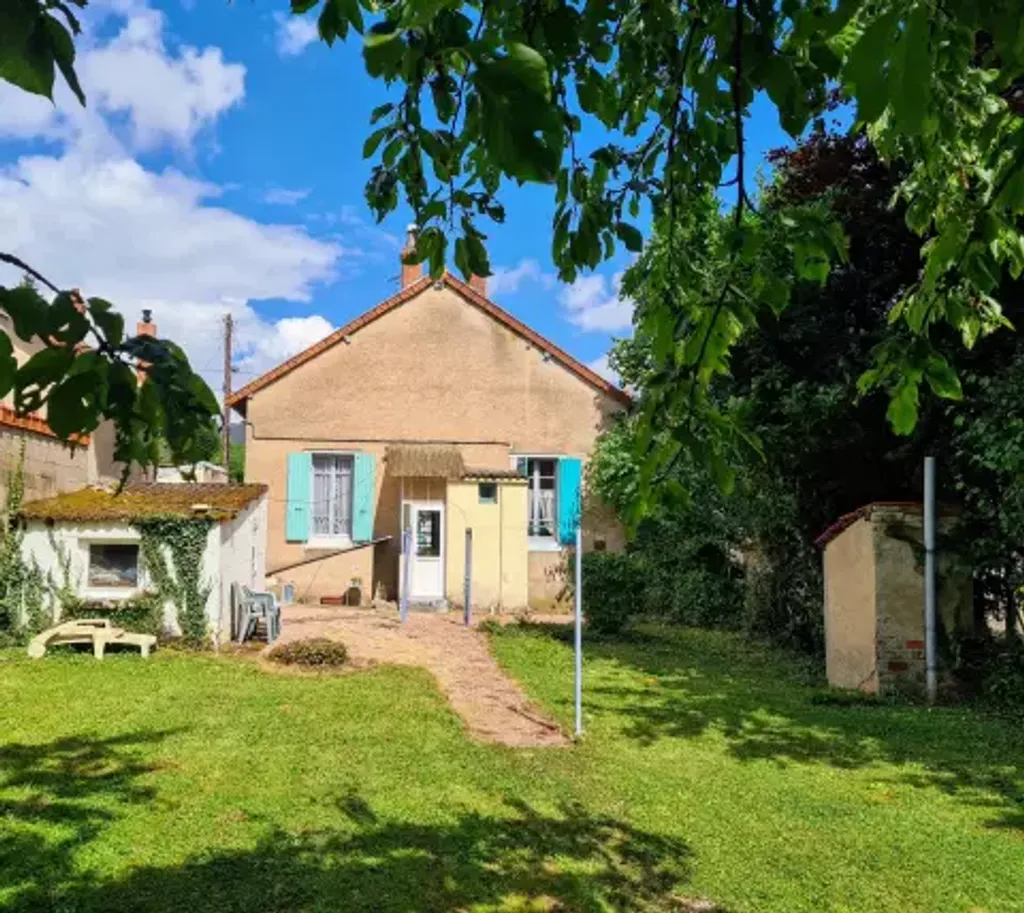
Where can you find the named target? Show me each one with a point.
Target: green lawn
(709, 769)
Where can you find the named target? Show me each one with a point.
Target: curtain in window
(332, 495)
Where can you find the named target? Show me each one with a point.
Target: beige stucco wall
(436, 369)
(850, 608)
(329, 576)
(499, 559)
(874, 600)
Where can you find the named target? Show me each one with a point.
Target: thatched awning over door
(423, 461)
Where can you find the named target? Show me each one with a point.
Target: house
(50, 466)
(435, 411)
(91, 541)
(202, 471)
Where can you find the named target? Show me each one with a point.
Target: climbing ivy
(185, 539)
(23, 585)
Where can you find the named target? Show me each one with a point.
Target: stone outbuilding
(874, 597)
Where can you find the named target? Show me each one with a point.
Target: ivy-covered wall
(178, 564)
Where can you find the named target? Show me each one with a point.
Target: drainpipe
(931, 682)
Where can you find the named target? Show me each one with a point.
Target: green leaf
(866, 67)
(112, 325)
(27, 309)
(381, 111)
(30, 64)
(911, 73)
(381, 33)
(73, 406)
(8, 364)
(374, 140)
(630, 236)
(902, 411)
(303, 6)
(942, 378)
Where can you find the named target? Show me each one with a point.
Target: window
(541, 499)
(487, 492)
(332, 496)
(113, 565)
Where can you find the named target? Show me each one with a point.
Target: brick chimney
(478, 284)
(146, 327)
(411, 272)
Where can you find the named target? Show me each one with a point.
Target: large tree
(627, 109)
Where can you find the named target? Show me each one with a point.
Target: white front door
(426, 561)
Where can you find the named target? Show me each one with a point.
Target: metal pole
(226, 430)
(929, 578)
(469, 572)
(406, 549)
(579, 631)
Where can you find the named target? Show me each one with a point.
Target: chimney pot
(411, 272)
(146, 327)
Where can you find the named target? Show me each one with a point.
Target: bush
(143, 614)
(317, 652)
(613, 590)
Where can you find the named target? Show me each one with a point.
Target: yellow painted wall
(499, 563)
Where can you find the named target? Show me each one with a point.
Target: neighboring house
(50, 465)
(434, 411)
(94, 530)
(203, 471)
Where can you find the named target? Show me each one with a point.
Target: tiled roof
(146, 499)
(494, 475)
(34, 423)
(238, 399)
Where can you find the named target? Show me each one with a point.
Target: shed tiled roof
(239, 398)
(146, 499)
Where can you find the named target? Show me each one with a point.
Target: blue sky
(218, 167)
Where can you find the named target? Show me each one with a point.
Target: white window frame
(541, 543)
(341, 540)
(113, 593)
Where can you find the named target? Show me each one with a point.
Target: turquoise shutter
(299, 497)
(570, 474)
(521, 465)
(362, 497)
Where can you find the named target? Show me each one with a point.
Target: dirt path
(491, 704)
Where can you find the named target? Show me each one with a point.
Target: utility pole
(226, 430)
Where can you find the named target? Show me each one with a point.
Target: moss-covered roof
(147, 499)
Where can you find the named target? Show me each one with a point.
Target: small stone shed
(91, 540)
(874, 597)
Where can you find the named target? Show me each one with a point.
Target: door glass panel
(428, 533)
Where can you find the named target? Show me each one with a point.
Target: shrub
(142, 614)
(613, 590)
(316, 652)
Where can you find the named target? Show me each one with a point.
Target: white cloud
(294, 34)
(91, 216)
(133, 80)
(281, 196)
(509, 279)
(602, 367)
(595, 306)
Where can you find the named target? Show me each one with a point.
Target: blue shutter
(299, 497)
(521, 465)
(570, 473)
(362, 497)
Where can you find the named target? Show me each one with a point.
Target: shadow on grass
(524, 861)
(684, 683)
(57, 796)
